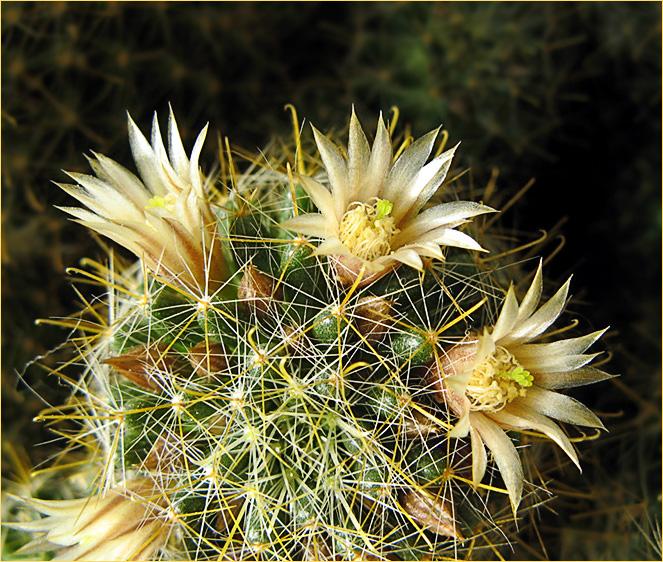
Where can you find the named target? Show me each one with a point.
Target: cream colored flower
(123, 524)
(164, 217)
(501, 381)
(371, 215)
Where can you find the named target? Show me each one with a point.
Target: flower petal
(118, 175)
(358, 156)
(571, 379)
(556, 364)
(145, 159)
(479, 458)
(424, 185)
(446, 214)
(194, 171)
(507, 317)
(505, 455)
(407, 166)
(178, 157)
(408, 256)
(380, 160)
(532, 297)
(520, 416)
(539, 322)
(557, 349)
(331, 247)
(337, 171)
(560, 407)
(311, 224)
(322, 199)
(450, 237)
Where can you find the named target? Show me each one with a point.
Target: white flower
(164, 219)
(371, 214)
(120, 525)
(501, 381)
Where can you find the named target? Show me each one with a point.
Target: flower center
(497, 381)
(367, 229)
(162, 206)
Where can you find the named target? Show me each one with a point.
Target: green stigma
(383, 208)
(522, 376)
(159, 202)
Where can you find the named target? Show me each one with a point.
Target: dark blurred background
(567, 93)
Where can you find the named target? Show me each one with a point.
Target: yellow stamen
(367, 229)
(497, 381)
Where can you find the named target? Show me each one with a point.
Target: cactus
(306, 362)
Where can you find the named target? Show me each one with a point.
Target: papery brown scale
(454, 361)
(140, 363)
(373, 317)
(208, 358)
(257, 290)
(348, 268)
(432, 513)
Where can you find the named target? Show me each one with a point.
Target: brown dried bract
(432, 513)
(348, 268)
(140, 364)
(257, 290)
(373, 317)
(452, 362)
(420, 425)
(207, 358)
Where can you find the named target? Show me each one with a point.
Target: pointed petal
(479, 458)
(358, 156)
(429, 250)
(542, 318)
(407, 166)
(446, 214)
(462, 427)
(507, 317)
(520, 416)
(424, 185)
(505, 455)
(561, 407)
(122, 179)
(337, 171)
(571, 379)
(331, 247)
(408, 256)
(176, 151)
(194, 171)
(449, 237)
(557, 349)
(145, 159)
(532, 297)
(157, 141)
(311, 224)
(322, 199)
(379, 163)
(557, 364)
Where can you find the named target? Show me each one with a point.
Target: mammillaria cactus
(305, 362)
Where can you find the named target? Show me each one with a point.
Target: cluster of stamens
(497, 381)
(368, 228)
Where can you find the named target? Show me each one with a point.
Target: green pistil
(383, 208)
(522, 376)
